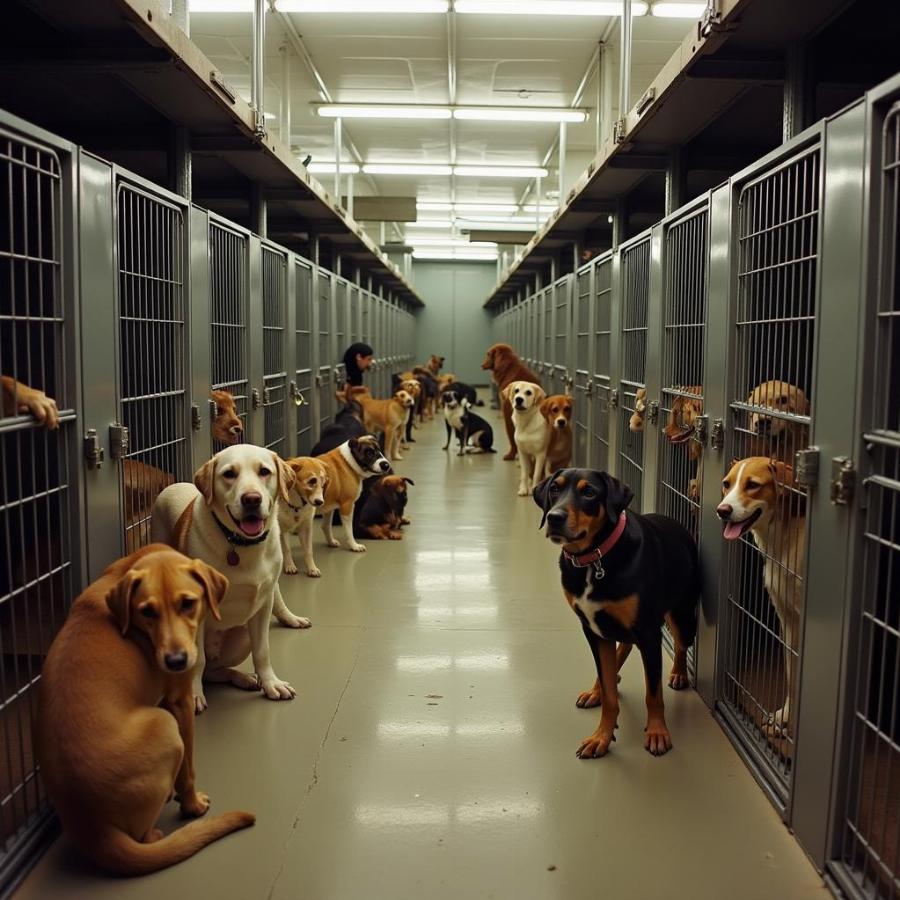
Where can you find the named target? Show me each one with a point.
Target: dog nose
(519, 402)
(176, 662)
(384, 465)
(724, 511)
(318, 502)
(251, 499)
(556, 516)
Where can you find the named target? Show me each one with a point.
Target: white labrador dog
(229, 518)
(532, 432)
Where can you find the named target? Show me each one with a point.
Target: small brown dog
(506, 367)
(385, 416)
(115, 723)
(381, 511)
(227, 427)
(557, 410)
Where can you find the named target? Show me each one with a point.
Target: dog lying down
(379, 513)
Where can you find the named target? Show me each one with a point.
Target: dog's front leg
(449, 435)
(199, 668)
(306, 545)
(326, 529)
(347, 522)
(540, 463)
(656, 738)
(290, 567)
(526, 463)
(181, 704)
(598, 743)
(284, 615)
(258, 626)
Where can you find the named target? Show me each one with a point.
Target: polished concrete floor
(430, 752)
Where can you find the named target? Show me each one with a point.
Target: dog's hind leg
(309, 564)
(347, 522)
(290, 567)
(327, 529)
(657, 739)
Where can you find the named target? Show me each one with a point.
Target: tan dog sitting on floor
(531, 434)
(557, 410)
(385, 416)
(502, 361)
(115, 720)
(295, 515)
(229, 518)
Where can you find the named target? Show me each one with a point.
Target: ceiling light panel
(546, 8)
(406, 169)
(376, 7)
(513, 114)
(329, 168)
(500, 172)
(677, 10)
(374, 111)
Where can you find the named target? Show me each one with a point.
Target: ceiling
(404, 59)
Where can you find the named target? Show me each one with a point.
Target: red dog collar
(594, 557)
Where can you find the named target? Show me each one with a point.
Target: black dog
(348, 423)
(623, 574)
(379, 512)
(471, 430)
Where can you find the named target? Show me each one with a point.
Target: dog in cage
(759, 496)
(681, 426)
(227, 427)
(779, 436)
(636, 421)
(19, 398)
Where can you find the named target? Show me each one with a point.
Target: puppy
(348, 423)
(20, 398)
(506, 367)
(531, 431)
(380, 514)
(414, 389)
(295, 515)
(115, 718)
(776, 437)
(385, 416)
(229, 518)
(473, 433)
(617, 577)
(758, 496)
(347, 467)
(227, 427)
(636, 422)
(680, 428)
(557, 410)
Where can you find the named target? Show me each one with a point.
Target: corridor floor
(430, 752)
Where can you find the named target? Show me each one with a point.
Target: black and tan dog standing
(623, 574)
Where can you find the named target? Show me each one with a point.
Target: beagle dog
(557, 410)
(295, 515)
(531, 431)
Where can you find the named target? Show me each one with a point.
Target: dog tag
(232, 558)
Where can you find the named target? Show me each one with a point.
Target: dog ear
(506, 393)
(214, 585)
(287, 478)
(204, 480)
(545, 407)
(119, 597)
(541, 496)
(409, 481)
(540, 395)
(618, 496)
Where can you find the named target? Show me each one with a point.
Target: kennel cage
(302, 385)
(274, 326)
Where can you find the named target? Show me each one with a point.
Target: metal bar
(625, 60)
(257, 62)
(285, 52)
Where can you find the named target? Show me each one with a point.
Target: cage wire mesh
(602, 337)
(303, 374)
(151, 353)
(274, 295)
(323, 299)
(228, 297)
(632, 388)
(37, 472)
(341, 289)
(561, 325)
(869, 837)
(582, 326)
(778, 232)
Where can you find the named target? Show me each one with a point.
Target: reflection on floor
(430, 752)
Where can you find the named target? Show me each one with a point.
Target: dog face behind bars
(227, 427)
(775, 436)
(682, 422)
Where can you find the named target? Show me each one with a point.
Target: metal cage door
(633, 406)
(229, 295)
(301, 388)
(325, 354)
(274, 297)
(548, 333)
(341, 330)
(560, 380)
(778, 223)
(601, 338)
(151, 439)
(583, 365)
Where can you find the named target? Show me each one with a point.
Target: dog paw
(395, 536)
(333, 543)
(589, 699)
(275, 689)
(290, 568)
(200, 703)
(509, 456)
(678, 681)
(777, 725)
(357, 548)
(313, 572)
(194, 806)
(523, 492)
(595, 745)
(657, 739)
(292, 621)
(246, 681)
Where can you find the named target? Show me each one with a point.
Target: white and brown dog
(229, 518)
(759, 497)
(531, 431)
(295, 515)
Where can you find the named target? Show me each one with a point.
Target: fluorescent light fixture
(513, 114)
(445, 224)
(405, 169)
(361, 6)
(220, 6)
(444, 206)
(496, 224)
(500, 172)
(547, 7)
(329, 168)
(454, 255)
(677, 10)
(375, 111)
(449, 242)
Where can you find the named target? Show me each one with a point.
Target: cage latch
(652, 411)
(255, 400)
(619, 131)
(843, 480)
(614, 398)
(196, 418)
(297, 395)
(118, 441)
(806, 467)
(93, 452)
(717, 434)
(589, 388)
(701, 429)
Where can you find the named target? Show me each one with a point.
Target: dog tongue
(251, 525)
(733, 530)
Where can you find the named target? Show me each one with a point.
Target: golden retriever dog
(506, 367)
(777, 437)
(531, 432)
(386, 416)
(758, 496)
(295, 515)
(20, 398)
(557, 410)
(115, 718)
(229, 518)
(227, 427)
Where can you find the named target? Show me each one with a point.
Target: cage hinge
(118, 441)
(701, 429)
(614, 398)
(843, 480)
(569, 382)
(259, 124)
(589, 388)
(297, 395)
(619, 131)
(196, 418)
(711, 21)
(255, 399)
(646, 99)
(652, 412)
(93, 452)
(717, 434)
(806, 467)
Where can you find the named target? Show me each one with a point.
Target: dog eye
(148, 612)
(752, 485)
(187, 604)
(589, 493)
(264, 471)
(229, 474)
(726, 484)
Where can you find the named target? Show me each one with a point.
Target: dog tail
(118, 852)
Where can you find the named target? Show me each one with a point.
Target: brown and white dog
(506, 367)
(227, 427)
(295, 515)
(778, 437)
(531, 431)
(347, 466)
(681, 427)
(758, 496)
(636, 422)
(115, 719)
(386, 416)
(557, 410)
(229, 518)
